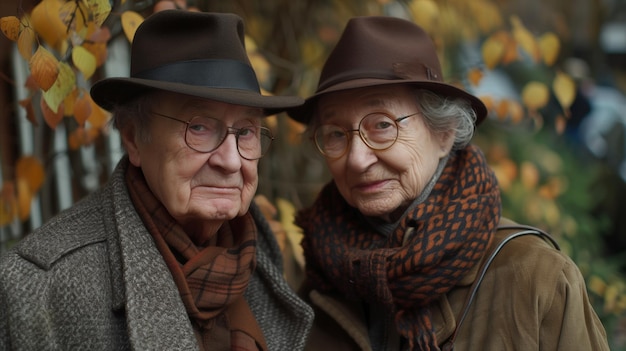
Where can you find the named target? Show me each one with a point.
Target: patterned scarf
(450, 232)
(211, 280)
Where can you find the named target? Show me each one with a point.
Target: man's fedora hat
(379, 50)
(193, 53)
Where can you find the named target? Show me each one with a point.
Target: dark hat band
(228, 74)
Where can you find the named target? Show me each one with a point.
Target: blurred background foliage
(551, 72)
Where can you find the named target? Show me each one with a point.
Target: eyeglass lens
(377, 130)
(205, 134)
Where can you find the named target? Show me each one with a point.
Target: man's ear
(130, 142)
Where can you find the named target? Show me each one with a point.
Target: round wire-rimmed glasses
(205, 134)
(378, 130)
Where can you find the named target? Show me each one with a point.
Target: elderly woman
(170, 254)
(400, 245)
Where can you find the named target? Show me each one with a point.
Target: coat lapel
(155, 314)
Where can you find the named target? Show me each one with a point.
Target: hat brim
(304, 112)
(112, 91)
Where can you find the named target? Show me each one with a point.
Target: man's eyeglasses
(206, 134)
(379, 131)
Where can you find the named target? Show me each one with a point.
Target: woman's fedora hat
(193, 53)
(379, 50)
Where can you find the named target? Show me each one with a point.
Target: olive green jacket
(532, 297)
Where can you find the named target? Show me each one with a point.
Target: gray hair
(444, 115)
(135, 113)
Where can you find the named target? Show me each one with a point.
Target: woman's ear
(131, 143)
(446, 141)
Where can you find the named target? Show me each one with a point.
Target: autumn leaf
(75, 17)
(65, 83)
(525, 39)
(48, 24)
(82, 136)
(24, 199)
(44, 68)
(82, 107)
(69, 101)
(84, 60)
(529, 175)
(26, 43)
(486, 15)
(549, 45)
(10, 26)
(130, 21)
(52, 118)
(493, 50)
(27, 104)
(425, 12)
(564, 89)
(31, 170)
(535, 95)
(99, 9)
(475, 75)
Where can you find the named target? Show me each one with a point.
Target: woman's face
(196, 188)
(380, 182)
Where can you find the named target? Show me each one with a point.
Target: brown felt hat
(379, 50)
(194, 53)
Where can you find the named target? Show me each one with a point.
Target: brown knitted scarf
(451, 230)
(211, 280)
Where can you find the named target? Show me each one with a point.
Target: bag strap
(523, 230)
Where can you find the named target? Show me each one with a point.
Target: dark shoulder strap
(517, 230)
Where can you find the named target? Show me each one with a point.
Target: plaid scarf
(449, 233)
(211, 280)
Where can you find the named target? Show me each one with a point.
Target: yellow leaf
(535, 95)
(525, 39)
(130, 21)
(26, 42)
(425, 13)
(493, 50)
(486, 15)
(294, 233)
(47, 22)
(74, 15)
(100, 10)
(65, 83)
(84, 60)
(549, 45)
(565, 89)
(98, 117)
(44, 68)
(10, 26)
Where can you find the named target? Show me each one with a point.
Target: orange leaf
(475, 75)
(52, 118)
(26, 42)
(27, 104)
(24, 199)
(82, 107)
(44, 68)
(502, 109)
(30, 169)
(99, 117)
(10, 26)
(130, 21)
(81, 136)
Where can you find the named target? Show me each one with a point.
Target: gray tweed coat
(92, 279)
